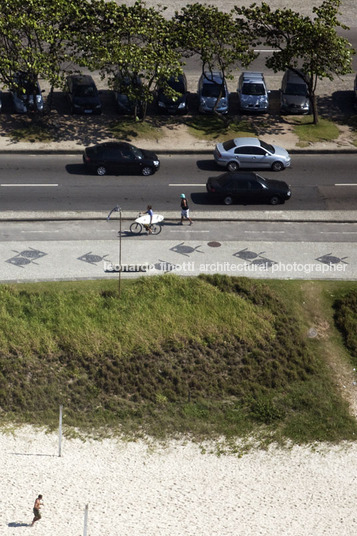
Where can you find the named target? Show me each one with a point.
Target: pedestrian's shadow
(17, 524)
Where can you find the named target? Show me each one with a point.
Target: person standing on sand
(185, 211)
(36, 510)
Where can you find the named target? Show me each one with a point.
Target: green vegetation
(313, 43)
(130, 129)
(212, 127)
(209, 357)
(308, 132)
(346, 321)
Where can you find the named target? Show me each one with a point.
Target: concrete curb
(347, 216)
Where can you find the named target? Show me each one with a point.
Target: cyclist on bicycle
(147, 226)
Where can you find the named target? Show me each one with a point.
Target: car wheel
(146, 171)
(232, 166)
(228, 200)
(275, 200)
(277, 166)
(101, 170)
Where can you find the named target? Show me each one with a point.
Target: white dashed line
(28, 185)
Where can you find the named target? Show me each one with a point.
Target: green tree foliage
(48, 38)
(214, 36)
(136, 42)
(37, 37)
(301, 43)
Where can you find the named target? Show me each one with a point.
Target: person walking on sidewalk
(36, 510)
(185, 211)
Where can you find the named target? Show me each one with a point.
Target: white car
(253, 95)
(251, 153)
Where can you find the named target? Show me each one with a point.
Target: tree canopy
(309, 46)
(48, 39)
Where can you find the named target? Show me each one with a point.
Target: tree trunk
(314, 109)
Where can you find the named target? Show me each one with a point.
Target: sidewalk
(24, 261)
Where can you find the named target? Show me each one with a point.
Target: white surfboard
(145, 219)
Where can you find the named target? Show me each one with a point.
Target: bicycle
(139, 225)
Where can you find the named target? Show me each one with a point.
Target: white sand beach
(133, 489)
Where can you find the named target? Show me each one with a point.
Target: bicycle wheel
(136, 228)
(156, 228)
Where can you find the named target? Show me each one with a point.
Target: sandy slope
(133, 490)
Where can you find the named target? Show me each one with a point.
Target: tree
(214, 36)
(36, 37)
(310, 47)
(136, 42)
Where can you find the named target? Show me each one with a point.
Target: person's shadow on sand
(17, 524)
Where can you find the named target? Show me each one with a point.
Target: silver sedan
(251, 153)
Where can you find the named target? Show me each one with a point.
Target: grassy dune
(208, 356)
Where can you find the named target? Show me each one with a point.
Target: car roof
(239, 142)
(211, 78)
(114, 144)
(292, 76)
(238, 175)
(81, 79)
(252, 75)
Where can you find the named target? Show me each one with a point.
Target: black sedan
(247, 188)
(120, 158)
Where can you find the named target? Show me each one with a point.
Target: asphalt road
(45, 183)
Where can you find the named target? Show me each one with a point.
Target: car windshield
(228, 145)
(267, 146)
(85, 91)
(177, 85)
(213, 90)
(136, 152)
(296, 89)
(253, 89)
(27, 87)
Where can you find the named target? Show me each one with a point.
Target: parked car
(246, 188)
(355, 93)
(177, 104)
(251, 153)
(120, 158)
(211, 87)
(294, 94)
(125, 104)
(83, 94)
(26, 93)
(253, 95)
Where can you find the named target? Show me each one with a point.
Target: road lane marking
(183, 185)
(35, 185)
(54, 231)
(191, 231)
(346, 184)
(265, 232)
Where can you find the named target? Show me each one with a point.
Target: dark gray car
(243, 187)
(83, 95)
(294, 94)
